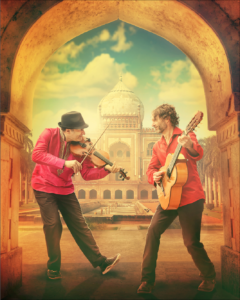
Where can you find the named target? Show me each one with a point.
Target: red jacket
(192, 190)
(45, 176)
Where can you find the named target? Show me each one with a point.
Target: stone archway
(130, 194)
(144, 194)
(68, 19)
(173, 21)
(107, 194)
(118, 194)
(93, 194)
(81, 194)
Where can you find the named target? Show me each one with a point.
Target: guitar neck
(174, 158)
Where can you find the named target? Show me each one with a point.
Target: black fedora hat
(72, 120)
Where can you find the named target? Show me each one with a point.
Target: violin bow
(95, 143)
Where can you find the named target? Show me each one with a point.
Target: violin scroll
(123, 174)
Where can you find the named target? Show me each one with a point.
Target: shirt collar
(176, 131)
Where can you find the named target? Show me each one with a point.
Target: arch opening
(118, 194)
(39, 43)
(81, 194)
(130, 194)
(93, 194)
(144, 194)
(107, 194)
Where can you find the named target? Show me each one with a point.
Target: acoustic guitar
(176, 173)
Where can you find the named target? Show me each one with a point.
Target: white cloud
(67, 51)
(97, 79)
(171, 90)
(176, 68)
(71, 50)
(102, 37)
(132, 29)
(130, 80)
(120, 37)
(190, 92)
(156, 76)
(50, 119)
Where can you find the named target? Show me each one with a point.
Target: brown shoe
(145, 288)
(53, 275)
(207, 285)
(109, 263)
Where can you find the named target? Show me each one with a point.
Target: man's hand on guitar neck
(187, 143)
(157, 176)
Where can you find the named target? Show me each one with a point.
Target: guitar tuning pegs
(122, 179)
(120, 176)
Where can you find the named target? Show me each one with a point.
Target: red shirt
(45, 176)
(192, 190)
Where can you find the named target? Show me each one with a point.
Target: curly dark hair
(167, 110)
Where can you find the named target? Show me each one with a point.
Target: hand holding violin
(73, 164)
(113, 169)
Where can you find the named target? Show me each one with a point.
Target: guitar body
(173, 185)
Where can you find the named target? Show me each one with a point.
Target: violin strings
(95, 143)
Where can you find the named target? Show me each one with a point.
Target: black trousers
(70, 209)
(190, 217)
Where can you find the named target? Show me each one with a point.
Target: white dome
(121, 101)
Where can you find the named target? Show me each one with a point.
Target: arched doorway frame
(217, 89)
(130, 194)
(144, 194)
(106, 194)
(169, 19)
(93, 194)
(81, 194)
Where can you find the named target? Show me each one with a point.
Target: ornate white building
(127, 143)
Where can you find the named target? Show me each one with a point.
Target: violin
(99, 158)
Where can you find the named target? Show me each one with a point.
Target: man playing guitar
(165, 120)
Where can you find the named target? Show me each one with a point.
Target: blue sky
(80, 73)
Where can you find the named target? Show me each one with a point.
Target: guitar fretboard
(174, 159)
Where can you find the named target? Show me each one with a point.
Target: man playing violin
(54, 191)
(165, 121)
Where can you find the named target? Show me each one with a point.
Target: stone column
(76, 190)
(87, 194)
(210, 189)
(215, 201)
(135, 195)
(20, 189)
(219, 190)
(12, 132)
(149, 194)
(26, 188)
(206, 188)
(34, 198)
(31, 194)
(99, 194)
(228, 142)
